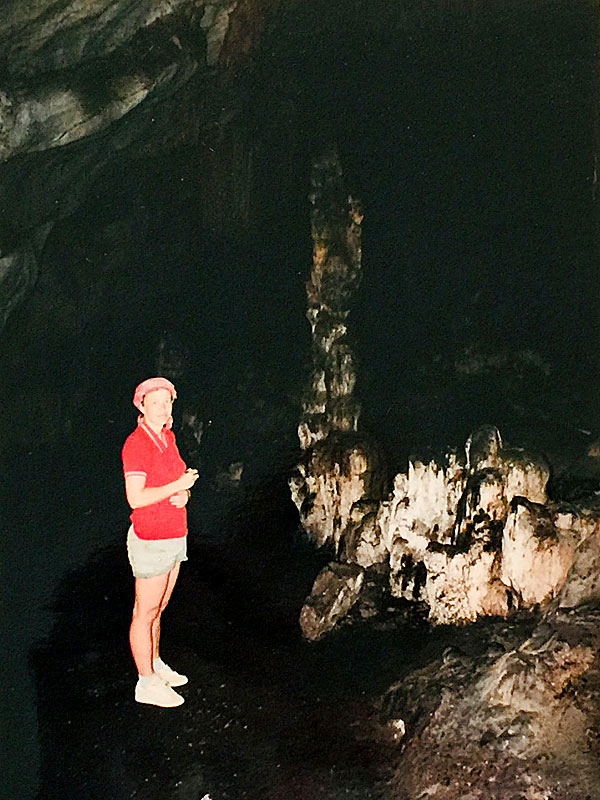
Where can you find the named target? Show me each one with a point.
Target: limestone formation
(363, 541)
(479, 532)
(336, 272)
(340, 468)
(460, 587)
(336, 474)
(339, 482)
(421, 509)
(536, 554)
(467, 538)
(582, 583)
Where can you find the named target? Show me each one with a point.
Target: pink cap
(150, 385)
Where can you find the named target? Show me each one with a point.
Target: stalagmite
(340, 467)
(336, 271)
(339, 482)
(471, 537)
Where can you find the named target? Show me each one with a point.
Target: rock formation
(336, 272)
(520, 719)
(340, 467)
(468, 538)
(84, 85)
(334, 593)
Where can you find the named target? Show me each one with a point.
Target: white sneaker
(171, 677)
(157, 693)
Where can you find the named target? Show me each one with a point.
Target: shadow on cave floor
(267, 715)
(262, 708)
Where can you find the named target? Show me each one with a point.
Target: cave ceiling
(88, 85)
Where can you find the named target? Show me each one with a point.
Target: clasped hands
(187, 480)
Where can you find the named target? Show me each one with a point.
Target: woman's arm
(139, 495)
(180, 499)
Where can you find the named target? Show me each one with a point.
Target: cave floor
(267, 714)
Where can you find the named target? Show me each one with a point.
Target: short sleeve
(133, 456)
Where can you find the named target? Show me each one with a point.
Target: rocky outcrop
(522, 723)
(582, 584)
(338, 484)
(468, 538)
(74, 68)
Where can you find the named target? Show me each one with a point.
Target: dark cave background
(469, 137)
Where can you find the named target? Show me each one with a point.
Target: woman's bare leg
(171, 580)
(149, 594)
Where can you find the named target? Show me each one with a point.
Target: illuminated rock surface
(524, 723)
(461, 540)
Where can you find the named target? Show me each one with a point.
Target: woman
(157, 485)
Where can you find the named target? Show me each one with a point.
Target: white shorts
(152, 557)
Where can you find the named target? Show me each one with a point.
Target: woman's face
(157, 406)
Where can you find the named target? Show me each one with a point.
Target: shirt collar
(160, 440)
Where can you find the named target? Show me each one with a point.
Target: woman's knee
(146, 612)
(149, 595)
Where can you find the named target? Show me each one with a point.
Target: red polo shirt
(157, 459)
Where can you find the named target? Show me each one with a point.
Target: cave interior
(178, 239)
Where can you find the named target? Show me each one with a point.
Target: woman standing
(157, 485)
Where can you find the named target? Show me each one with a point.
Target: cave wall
(87, 87)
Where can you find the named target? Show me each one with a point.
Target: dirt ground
(267, 715)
